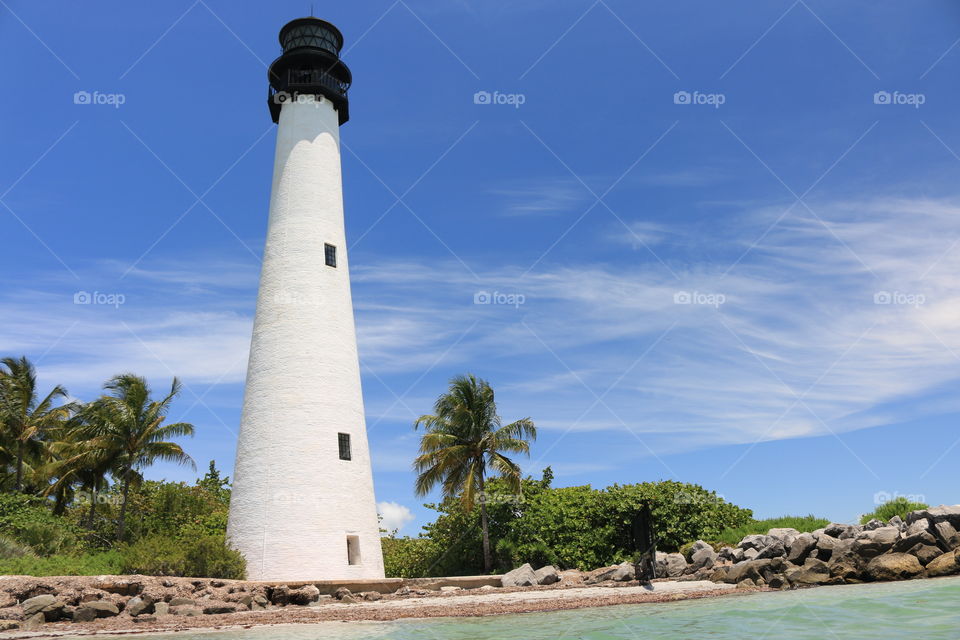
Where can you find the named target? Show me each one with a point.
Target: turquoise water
(928, 609)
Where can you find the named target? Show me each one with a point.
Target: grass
(89, 564)
(800, 523)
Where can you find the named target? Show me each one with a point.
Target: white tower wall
(294, 501)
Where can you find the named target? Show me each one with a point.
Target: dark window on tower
(330, 255)
(343, 440)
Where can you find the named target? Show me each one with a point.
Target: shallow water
(928, 609)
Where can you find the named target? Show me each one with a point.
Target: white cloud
(393, 516)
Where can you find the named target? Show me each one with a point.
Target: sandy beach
(436, 604)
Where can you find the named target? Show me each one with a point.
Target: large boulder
(813, 571)
(756, 541)
(949, 514)
(825, 545)
(774, 550)
(702, 556)
(893, 566)
(730, 554)
(801, 547)
(671, 565)
(917, 527)
(947, 564)
(755, 569)
(870, 544)
(842, 531)
(925, 553)
(904, 544)
(624, 572)
(547, 575)
(874, 524)
(520, 577)
(47, 604)
(946, 534)
(138, 605)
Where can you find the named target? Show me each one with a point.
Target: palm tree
(127, 427)
(464, 442)
(24, 418)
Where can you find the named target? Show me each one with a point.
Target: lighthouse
(303, 506)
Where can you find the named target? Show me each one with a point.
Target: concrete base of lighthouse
(299, 510)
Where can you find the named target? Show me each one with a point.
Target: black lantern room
(310, 65)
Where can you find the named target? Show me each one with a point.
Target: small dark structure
(310, 66)
(644, 540)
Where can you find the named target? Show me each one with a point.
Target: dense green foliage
(570, 527)
(732, 536)
(898, 506)
(85, 564)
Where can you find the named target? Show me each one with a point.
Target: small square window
(343, 439)
(330, 255)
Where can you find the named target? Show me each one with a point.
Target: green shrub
(91, 564)
(899, 506)
(29, 520)
(408, 557)
(10, 548)
(206, 557)
(804, 524)
(49, 538)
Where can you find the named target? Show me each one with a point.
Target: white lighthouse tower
(303, 506)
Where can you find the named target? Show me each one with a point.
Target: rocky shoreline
(927, 544)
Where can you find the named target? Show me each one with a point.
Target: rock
(919, 526)
(925, 553)
(449, 589)
(897, 521)
(825, 545)
(676, 565)
(903, 545)
(373, 596)
(214, 607)
(119, 586)
(801, 548)
(783, 533)
(342, 593)
(520, 577)
(405, 591)
(703, 557)
(812, 572)
(774, 550)
(624, 572)
(48, 605)
(893, 566)
(8, 625)
(348, 599)
(747, 584)
(547, 575)
(874, 524)
(145, 619)
(837, 530)
(949, 514)
(750, 554)
(304, 595)
(947, 535)
(756, 541)
(33, 622)
(84, 614)
(777, 581)
(102, 608)
(870, 544)
(755, 570)
(161, 608)
(138, 605)
(186, 610)
(180, 602)
(730, 554)
(946, 564)
(719, 574)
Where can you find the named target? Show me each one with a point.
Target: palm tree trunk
(487, 558)
(123, 506)
(92, 514)
(18, 485)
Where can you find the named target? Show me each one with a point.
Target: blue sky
(719, 240)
